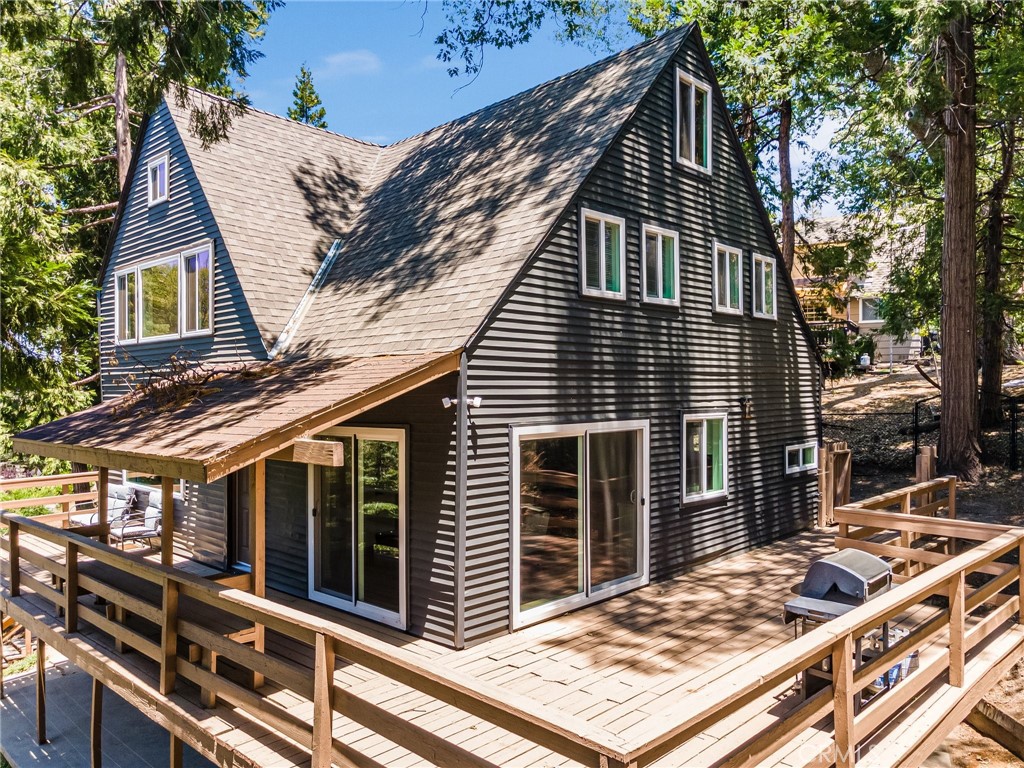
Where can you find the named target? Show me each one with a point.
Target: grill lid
(847, 576)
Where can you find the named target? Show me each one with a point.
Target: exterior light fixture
(473, 402)
(747, 407)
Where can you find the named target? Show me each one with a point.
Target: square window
(800, 458)
(603, 255)
(705, 457)
(869, 311)
(693, 122)
(764, 287)
(157, 181)
(728, 277)
(158, 299)
(660, 266)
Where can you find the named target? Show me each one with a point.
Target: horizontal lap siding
(165, 229)
(549, 356)
(287, 502)
(203, 527)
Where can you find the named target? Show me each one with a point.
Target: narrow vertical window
(603, 255)
(693, 122)
(728, 277)
(157, 179)
(198, 279)
(125, 310)
(763, 278)
(660, 265)
(705, 457)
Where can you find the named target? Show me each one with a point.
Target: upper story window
(869, 312)
(693, 122)
(728, 276)
(157, 179)
(705, 456)
(165, 298)
(764, 286)
(660, 266)
(602, 255)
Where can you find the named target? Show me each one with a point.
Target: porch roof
(214, 422)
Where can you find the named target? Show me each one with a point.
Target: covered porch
(698, 670)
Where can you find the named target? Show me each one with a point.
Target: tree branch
(88, 209)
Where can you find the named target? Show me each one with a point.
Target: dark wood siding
(203, 527)
(549, 356)
(167, 228)
(287, 526)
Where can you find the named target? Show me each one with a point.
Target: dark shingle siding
(548, 357)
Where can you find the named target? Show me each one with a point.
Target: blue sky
(375, 66)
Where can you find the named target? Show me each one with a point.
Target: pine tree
(307, 108)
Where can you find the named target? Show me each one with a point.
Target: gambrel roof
(433, 228)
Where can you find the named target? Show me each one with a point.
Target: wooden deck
(699, 670)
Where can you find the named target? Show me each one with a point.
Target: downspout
(461, 488)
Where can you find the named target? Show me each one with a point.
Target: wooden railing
(219, 621)
(67, 500)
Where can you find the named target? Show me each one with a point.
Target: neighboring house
(519, 363)
(859, 294)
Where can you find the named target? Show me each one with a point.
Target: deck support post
(258, 550)
(169, 637)
(14, 566)
(323, 701)
(40, 691)
(957, 649)
(1, 655)
(96, 726)
(842, 685)
(177, 753)
(71, 588)
(102, 482)
(167, 520)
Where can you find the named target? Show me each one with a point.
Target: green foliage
(380, 509)
(843, 351)
(30, 493)
(307, 107)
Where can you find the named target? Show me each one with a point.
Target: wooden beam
(189, 469)
(14, 565)
(989, 720)
(71, 588)
(258, 549)
(96, 726)
(323, 701)
(40, 691)
(102, 483)
(957, 619)
(167, 520)
(169, 637)
(177, 752)
(843, 709)
(326, 453)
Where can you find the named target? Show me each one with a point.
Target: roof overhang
(231, 419)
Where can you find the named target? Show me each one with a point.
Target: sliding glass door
(357, 526)
(579, 517)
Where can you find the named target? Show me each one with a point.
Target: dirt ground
(998, 497)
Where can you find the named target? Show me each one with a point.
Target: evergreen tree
(307, 107)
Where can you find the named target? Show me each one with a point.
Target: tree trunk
(123, 148)
(788, 223)
(959, 448)
(992, 310)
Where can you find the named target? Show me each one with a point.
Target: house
(854, 301)
(522, 362)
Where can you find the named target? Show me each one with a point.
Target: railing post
(15, 563)
(102, 482)
(71, 588)
(65, 489)
(906, 538)
(842, 699)
(957, 650)
(169, 637)
(323, 701)
(1020, 582)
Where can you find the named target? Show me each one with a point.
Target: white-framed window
(705, 456)
(197, 275)
(728, 279)
(602, 255)
(693, 122)
(801, 457)
(580, 518)
(763, 281)
(158, 180)
(165, 298)
(869, 312)
(659, 265)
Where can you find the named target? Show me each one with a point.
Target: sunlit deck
(698, 670)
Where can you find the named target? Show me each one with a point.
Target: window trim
(687, 498)
(801, 467)
(182, 325)
(520, 618)
(164, 158)
(600, 293)
(860, 311)
(693, 83)
(661, 232)
(718, 306)
(137, 268)
(757, 261)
